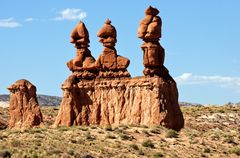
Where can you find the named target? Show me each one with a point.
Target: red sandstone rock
(151, 11)
(80, 35)
(24, 108)
(111, 99)
(109, 63)
(84, 62)
(138, 101)
(153, 53)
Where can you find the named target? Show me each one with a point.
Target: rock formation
(83, 65)
(113, 98)
(109, 63)
(24, 109)
(153, 53)
(138, 101)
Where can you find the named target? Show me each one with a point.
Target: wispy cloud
(71, 14)
(222, 81)
(29, 19)
(9, 23)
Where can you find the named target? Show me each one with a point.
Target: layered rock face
(110, 96)
(24, 109)
(138, 101)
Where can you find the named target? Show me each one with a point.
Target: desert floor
(210, 131)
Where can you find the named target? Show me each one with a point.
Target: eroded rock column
(24, 108)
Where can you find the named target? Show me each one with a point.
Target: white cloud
(71, 14)
(222, 81)
(29, 19)
(9, 23)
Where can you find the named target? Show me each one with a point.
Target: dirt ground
(210, 131)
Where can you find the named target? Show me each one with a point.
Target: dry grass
(209, 132)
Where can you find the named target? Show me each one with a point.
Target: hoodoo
(110, 96)
(24, 109)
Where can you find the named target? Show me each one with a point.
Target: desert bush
(63, 128)
(134, 146)
(140, 152)
(206, 150)
(172, 134)
(143, 126)
(148, 143)
(236, 151)
(5, 153)
(108, 128)
(118, 130)
(110, 136)
(230, 140)
(146, 133)
(83, 128)
(158, 154)
(88, 136)
(155, 131)
(34, 155)
(16, 143)
(125, 137)
(124, 127)
(70, 152)
(93, 127)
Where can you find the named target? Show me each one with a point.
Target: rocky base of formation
(138, 101)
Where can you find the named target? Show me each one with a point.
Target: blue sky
(201, 39)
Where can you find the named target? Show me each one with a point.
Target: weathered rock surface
(139, 101)
(84, 63)
(109, 63)
(24, 109)
(112, 97)
(150, 31)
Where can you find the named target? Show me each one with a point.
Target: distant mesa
(43, 100)
(101, 92)
(24, 109)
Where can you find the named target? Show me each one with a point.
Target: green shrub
(108, 128)
(206, 150)
(5, 153)
(125, 137)
(172, 134)
(16, 143)
(88, 136)
(146, 133)
(134, 146)
(70, 152)
(158, 154)
(155, 131)
(110, 136)
(148, 143)
(140, 152)
(83, 128)
(235, 151)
